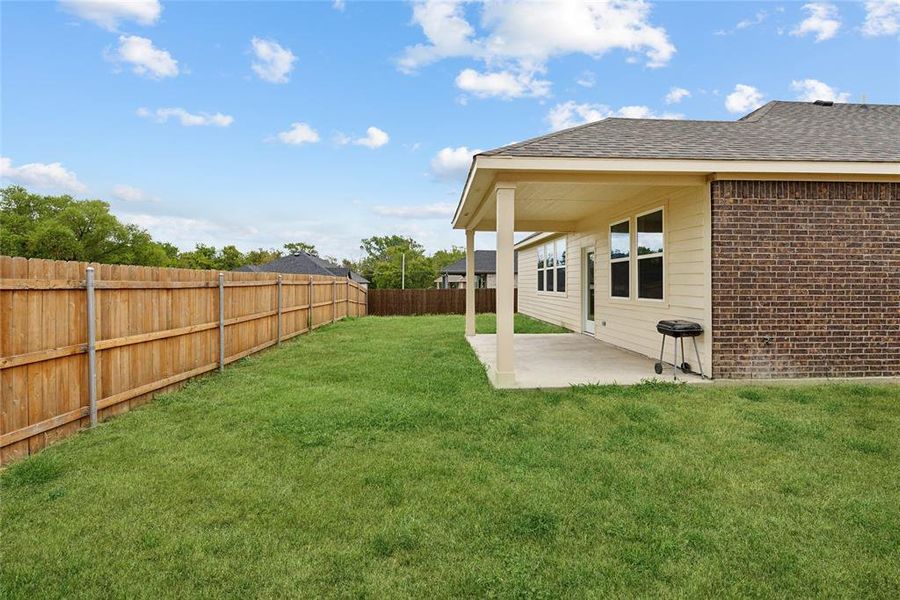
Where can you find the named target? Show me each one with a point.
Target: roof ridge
(758, 113)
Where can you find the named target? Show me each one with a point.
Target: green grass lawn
(371, 458)
(487, 323)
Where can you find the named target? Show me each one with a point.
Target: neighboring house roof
(303, 263)
(485, 262)
(778, 131)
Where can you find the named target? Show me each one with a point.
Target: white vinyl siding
(628, 322)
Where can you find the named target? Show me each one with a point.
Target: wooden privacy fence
(432, 302)
(151, 329)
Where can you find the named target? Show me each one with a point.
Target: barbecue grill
(679, 330)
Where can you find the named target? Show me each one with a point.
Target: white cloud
(187, 119)
(109, 13)
(448, 32)
(518, 38)
(339, 5)
(882, 18)
(570, 114)
(644, 112)
(186, 232)
(438, 210)
(502, 84)
(744, 98)
(757, 19)
(810, 90)
(676, 95)
(299, 133)
(823, 20)
(452, 163)
(46, 177)
(375, 138)
(273, 61)
(587, 79)
(128, 193)
(144, 58)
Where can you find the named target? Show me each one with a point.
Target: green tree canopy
(63, 228)
(382, 264)
(295, 247)
(261, 256)
(442, 258)
(387, 272)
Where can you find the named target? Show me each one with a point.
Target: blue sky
(262, 123)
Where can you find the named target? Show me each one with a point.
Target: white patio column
(470, 282)
(506, 214)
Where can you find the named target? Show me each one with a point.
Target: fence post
(309, 306)
(334, 300)
(221, 322)
(278, 338)
(91, 345)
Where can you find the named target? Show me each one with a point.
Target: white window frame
(662, 255)
(621, 260)
(551, 245)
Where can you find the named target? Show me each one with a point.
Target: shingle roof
(802, 131)
(485, 262)
(304, 264)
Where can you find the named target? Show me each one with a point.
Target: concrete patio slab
(560, 360)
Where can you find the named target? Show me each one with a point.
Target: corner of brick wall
(805, 279)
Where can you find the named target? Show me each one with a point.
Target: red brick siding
(814, 266)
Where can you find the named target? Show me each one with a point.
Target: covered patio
(560, 360)
(574, 197)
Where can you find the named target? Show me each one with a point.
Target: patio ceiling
(562, 206)
(547, 201)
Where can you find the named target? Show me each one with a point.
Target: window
(551, 266)
(620, 260)
(650, 255)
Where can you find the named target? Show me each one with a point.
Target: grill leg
(675, 363)
(699, 364)
(661, 350)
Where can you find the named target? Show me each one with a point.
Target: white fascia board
(665, 165)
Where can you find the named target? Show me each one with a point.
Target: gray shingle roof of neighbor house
(302, 263)
(795, 131)
(485, 262)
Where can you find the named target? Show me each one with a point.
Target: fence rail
(431, 302)
(153, 329)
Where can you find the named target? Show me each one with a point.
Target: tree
(377, 246)
(383, 263)
(442, 258)
(388, 272)
(63, 228)
(261, 256)
(208, 257)
(295, 247)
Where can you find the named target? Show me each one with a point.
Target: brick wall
(805, 279)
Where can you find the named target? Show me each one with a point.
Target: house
(454, 275)
(778, 233)
(303, 263)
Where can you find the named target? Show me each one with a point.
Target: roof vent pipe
(824, 102)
